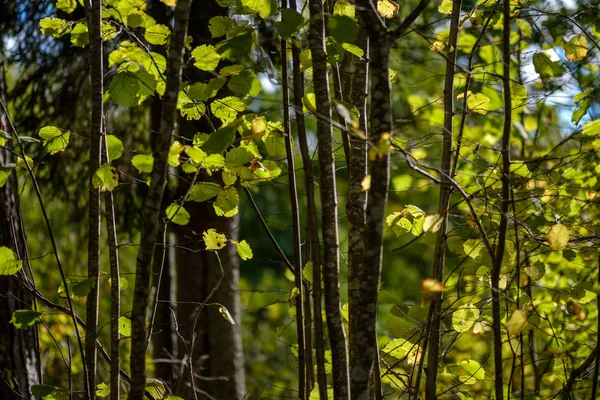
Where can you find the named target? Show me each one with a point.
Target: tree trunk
(19, 352)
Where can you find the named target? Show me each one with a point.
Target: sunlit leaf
(106, 178)
(214, 240)
(227, 202)
(516, 323)
(387, 8)
(206, 57)
(473, 371)
(445, 7)
(591, 128)
(177, 214)
(430, 285)
(9, 265)
(115, 147)
(557, 237)
(124, 326)
(102, 390)
(55, 140)
(143, 163)
(225, 314)
(244, 250)
(464, 318)
(576, 48)
(546, 67)
(157, 34)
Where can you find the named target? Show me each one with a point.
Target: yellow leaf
(445, 7)
(557, 237)
(429, 285)
(366, 183)
(387, 8)
(169, 3)
(576, 48)
(516, 323)
(437, 46)
(214, 240)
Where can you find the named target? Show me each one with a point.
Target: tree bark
(337, 336)
(94, 20)
(439, 257)
(19, 353)
(152, 210)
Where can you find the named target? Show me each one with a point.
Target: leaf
(264, 8)
(473, 247)
(54, 139)
(473, 372)
(518, 97)
(430, 285)
(387, 8)
(591, 128)
(576, 48)
(546, 68)
(106, 178)
(143, 163)
(245, 84)
(238, 156)
(516, 323)
(479, 103)
(219, 141)
(206, 56)
(124, 326)
(177, 214)
(81, 289)
(342, 28)
(227, 108)
(124, 89)
(157, 34)
(4, 174)
(445, 7)
(244, 250)
(203, 191)
(54, 27)
(49, 392)
(9, 265)
(115, 147)
(67, 6)
(557, 237)
(169, 3)
(291, 21)
(204, 91)
(80, 35)
(123, 283)
(23, 318)
(365, 185)
(353, 49)
(155, 388)
(225, 314)
(403, 349)
(214, 240)
(464, 318)
(344, 7)
(227, 202)
(102, 390)
(220, 25)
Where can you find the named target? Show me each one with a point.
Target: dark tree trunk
(19, 352)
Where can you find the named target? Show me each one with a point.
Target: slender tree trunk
(19, 355)
(504, 208)
(337, 336)
(152, 211)
(355, 209)
(312, 228)
(439, 257)
(94, 20)
(293, 191)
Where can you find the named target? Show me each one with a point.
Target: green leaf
(79, 35)
(473, 372)
(102, 390)
(81, 289)
(342, 28)
(264, 8)
(227, 108)
(54, 27)
(479, 103)
(518, 97)
(123, 283)
(591, 128)
(124, 326)
(401, 349)
(204, 91)
(124, 89)
(106, 178)
(238, 156)
(238, 47)
(214, 240)
(473, 247)
(232, 70)
(310, 102)
(244, 250)
(546, 68)
(157, 34)
(291, 21)
(445, 7)
(203, 191)
(155, 388)
(225, 314)
(4, 174)
(67, 6)
(177, 214)
(9, 265)
(220, 25)
(54, 139)
(464, 318)
(143, 163)
(206, 57)
(227, 202)
(345, 8)
(353, 49)
(23, 318)
(245, 84)
(115, 147)
(220, 140)
(190, 110)
(49, 392)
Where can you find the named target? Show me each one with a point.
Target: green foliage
(177, 214)
(23, 318)
(9, 265)
(55, 140)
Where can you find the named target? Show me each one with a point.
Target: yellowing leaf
(387, 8)
(516, 323)
(576, 48)
(464, 318)
(430, 285)
(214, 240)
(366, 183)
(557, 237)
(591, 128)
(437, 46)
(169, 3)
(445, 7)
